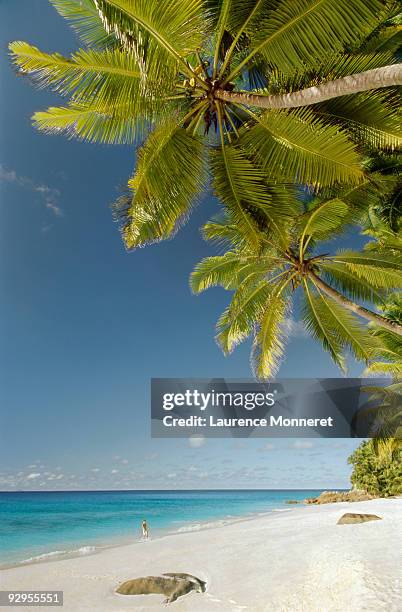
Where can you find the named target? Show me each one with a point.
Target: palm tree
(387, 408)
(178, 71)
(264, 283)
(388, 359)
(384, 219)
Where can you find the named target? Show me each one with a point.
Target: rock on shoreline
(351, 518)
(331, 497)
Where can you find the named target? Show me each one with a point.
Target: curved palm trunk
(364, 81)
(355, 308)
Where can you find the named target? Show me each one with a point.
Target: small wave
(83, 550)
(199, 526)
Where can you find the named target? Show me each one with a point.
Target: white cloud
(196, 441)
(296, 329)
(152, 457)
(8, 176)
(50, 195)
(124, 461)
(95, 470)
(301, 444)
(267, 447)
(172, 475)
(33, 475)
(114, 471)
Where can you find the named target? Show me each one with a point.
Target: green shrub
(377, 467)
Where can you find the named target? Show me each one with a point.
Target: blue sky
(84, 325)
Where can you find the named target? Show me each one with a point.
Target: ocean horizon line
(173, 490)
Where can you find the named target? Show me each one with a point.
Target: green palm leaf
(302, 31)
(92, 124)
(370, 193)
(378, 260)
(220, 29)
(238, 321)
(347, 329)
(317, 324)
(220, 270)
(323, 219)
(223, 231)
(240, 186)
(86, 21)
(379, 269)
(103, 76)
(382, 368)
(269, 342)
(170, 174)
(329, 68)
(230, 269)
(342, 278)
(372, 118)
(303, 149)
(161, 32)
(387, 39)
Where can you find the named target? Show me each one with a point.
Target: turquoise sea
(37, 526)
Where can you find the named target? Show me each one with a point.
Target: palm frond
(303, 149)
(223, 231)
(323, 219)
(85, 20)
(162, 33)
(345, 280)
(386, 39)
(270, 338)
(327, 68)
(379, 269)
(349, 331)
(231, 269)
(170, 174)
(383, 368)
(220, 29)
(317, 324)
(220, 270)
(110, 76)
(388, 359)
(371, 117)
(373, 191)
(302, 31)
(92, 124)
(240, 186)
(238, 321)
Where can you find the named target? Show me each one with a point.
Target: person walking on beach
(145, 530)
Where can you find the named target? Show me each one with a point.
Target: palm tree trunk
(355, 308)
(364, 81)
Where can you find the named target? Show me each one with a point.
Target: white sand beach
(295, 560)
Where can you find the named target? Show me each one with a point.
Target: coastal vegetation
(379, 475)
(290, 112)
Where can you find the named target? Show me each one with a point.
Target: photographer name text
(273, 421)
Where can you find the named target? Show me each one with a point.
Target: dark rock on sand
(292, 501)
(351, 517)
